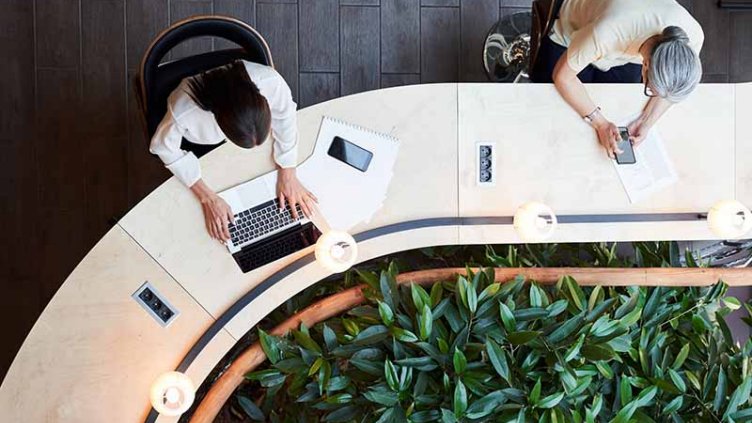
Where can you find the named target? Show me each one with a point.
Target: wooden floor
(75, 158)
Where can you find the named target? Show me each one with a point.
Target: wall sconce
(172, 394)
(729, 219)
(534, 222)
(336, 251)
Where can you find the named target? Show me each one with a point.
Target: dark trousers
(549, 53)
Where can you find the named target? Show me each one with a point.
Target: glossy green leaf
(498, 359)
(425, 323)
(420, 296)
(371, 335)
(251, 409)
(566, 329)
(535, 392)
(390, 374)
(677, 380)
(507, 317)
(270, 346)
(523, 337)
(550, 401)
(343, 414)
(674, 405)
(679, 360)
(459, 361)
(485, 405)
(460, 399)
(386, 314)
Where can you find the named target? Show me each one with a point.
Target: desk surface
(94, 352)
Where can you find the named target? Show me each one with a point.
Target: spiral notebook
(346, 195)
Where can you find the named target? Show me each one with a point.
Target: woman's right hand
(608, 136)
(217, 213)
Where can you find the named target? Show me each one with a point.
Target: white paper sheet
(346, 195)
(652, 172)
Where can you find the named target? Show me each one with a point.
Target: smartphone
(351, 154)
(627, 155)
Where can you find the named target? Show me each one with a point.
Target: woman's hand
(608, 136)
(217, 213)
(290, 190)
(638, 130)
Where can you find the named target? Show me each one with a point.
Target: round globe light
(172, 394)
(534, 222)
(729, 219)
(336, 251)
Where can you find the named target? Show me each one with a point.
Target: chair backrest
(157, 80)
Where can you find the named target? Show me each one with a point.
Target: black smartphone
(627, 155)
(347, 152)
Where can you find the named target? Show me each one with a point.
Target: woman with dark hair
(656, 42)
(244, 103)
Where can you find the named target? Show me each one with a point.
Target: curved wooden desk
(94, 352)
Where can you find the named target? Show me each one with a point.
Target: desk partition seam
(309, 258)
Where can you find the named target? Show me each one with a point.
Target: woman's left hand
(638, 130)
(290, 190)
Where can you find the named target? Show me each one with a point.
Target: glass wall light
(534, 222)
(172, 394)
(336, 251)
(729, 219)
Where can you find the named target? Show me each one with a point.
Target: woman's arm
(653, 110)
(185, 166)
(574, 93)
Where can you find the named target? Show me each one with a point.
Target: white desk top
(94, 352)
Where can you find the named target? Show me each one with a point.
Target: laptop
(261, 233)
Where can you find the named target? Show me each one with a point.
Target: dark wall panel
(400, 36)
(104, 127)
(319, 35)
(282, 38)
(399, 79)
(318, 87)
(57, 32)
(144, 19)
(477, 18)
(440, 44)
(360, 49)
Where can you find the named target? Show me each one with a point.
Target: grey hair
(675, 69)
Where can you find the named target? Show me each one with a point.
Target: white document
(653, 171)
(346, 195)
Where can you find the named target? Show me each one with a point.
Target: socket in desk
(155, 304)
(485, 174)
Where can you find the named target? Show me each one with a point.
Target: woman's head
(673, 69)
(242, 113)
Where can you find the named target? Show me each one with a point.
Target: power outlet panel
(485, 174)
(155, 304)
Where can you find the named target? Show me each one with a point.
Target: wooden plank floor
(74, 155)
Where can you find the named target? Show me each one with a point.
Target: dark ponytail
(242, 113)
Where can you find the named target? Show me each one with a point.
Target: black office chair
(155, 80)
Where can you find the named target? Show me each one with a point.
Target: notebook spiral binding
(382, 135)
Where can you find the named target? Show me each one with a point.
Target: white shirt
(184, 118)
(608, 33)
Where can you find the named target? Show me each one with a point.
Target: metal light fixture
(534, 222)
(729, 219)
(336, 251)
(172, 394)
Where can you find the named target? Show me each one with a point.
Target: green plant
(473, 350)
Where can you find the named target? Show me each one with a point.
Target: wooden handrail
(340, 302)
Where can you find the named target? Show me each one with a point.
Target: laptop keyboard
(261, 220)
(276, 246)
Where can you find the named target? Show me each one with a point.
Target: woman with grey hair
(656, 42)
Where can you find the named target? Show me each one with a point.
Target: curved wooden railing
(340, 302)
